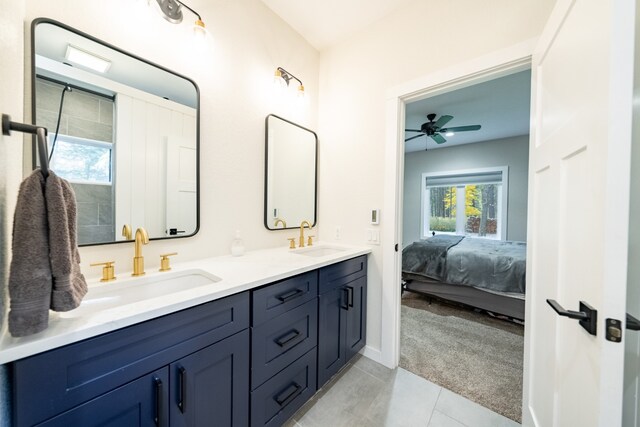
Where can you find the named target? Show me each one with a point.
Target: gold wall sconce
(282, 78)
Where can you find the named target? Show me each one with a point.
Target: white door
(578, 212)
(181, 184)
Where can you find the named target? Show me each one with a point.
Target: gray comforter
(489, 264)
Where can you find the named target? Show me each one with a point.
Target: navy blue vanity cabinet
(210, 340)
(341, 315)
(211, 386)
(284, 336)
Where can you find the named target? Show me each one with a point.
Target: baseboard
(372, 353)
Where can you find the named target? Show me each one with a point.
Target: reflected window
(82, 160)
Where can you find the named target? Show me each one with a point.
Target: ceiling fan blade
(443, 120)
(438, 138)
(412, 130)
(413, 137)
(461, 128)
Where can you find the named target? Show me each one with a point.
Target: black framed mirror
(122, 130)
(291, 157)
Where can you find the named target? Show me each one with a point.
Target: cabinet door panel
(210, 387)
(331, 333)
(140, 403)
(356, 316)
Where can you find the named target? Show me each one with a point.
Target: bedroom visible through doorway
(464, 216)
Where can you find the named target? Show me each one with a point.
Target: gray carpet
(469, 353)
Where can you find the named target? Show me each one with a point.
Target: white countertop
(237, 274)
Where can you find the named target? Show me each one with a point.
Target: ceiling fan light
(450, 133)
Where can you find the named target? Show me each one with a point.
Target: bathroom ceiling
(500, 106)
(310, 18)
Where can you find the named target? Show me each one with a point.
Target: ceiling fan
(434, 129)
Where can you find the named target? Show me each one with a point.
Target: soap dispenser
(237, 246)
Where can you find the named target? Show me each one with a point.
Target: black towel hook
(41, 136)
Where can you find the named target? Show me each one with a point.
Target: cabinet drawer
(280, 341)
(278, 298)
(279, 398)
(47, 384)
(342, 273)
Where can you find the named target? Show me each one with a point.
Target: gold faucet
(301, 241)
(280, 221)
(126, 231)
(142, 238)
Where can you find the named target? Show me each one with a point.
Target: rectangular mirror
(290, 181)
(126, 134)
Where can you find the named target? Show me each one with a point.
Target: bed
(482, 273)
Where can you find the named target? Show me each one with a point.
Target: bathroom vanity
(253, 353)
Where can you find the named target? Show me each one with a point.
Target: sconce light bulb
(301, 91)
(278, 80)
(199, 30)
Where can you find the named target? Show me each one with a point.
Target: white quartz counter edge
(238, 274)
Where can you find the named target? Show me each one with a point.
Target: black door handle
(344, 298)
(182, 389)
(587, 316)
(633, 323)
(350, 296)
(158, 409)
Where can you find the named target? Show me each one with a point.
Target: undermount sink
(132, 290)
(318, 251)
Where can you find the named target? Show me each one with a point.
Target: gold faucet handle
(310, 241)
(164, 261)
(292, 243)
(108, 271)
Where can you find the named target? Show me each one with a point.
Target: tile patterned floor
(366, 393)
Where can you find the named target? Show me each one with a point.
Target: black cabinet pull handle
(158, 388)
(587, 316)
(633, 323)
(182, 390)
(344, 298)
(290, 295)
(350, 295)
(288, 394)
(287, 338)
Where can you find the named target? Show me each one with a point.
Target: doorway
(464, 213)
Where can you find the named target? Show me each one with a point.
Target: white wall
(11, 81)
(234, 71)
(511, 152)
(354, 79)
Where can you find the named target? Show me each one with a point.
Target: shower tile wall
(85, 116)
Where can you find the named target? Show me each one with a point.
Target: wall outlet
(338, 233)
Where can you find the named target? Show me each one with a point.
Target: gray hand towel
(30, 274)
(45, 265)
(69, 285)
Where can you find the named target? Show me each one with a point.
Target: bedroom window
(469, 203)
